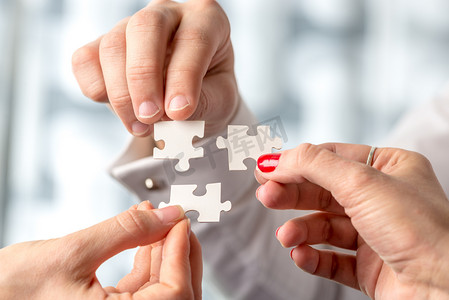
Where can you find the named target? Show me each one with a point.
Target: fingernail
(291, 253)
(148, 110)
(178, 103)
(139, 128)
(268, 162)
(277, 230)
(169, 214)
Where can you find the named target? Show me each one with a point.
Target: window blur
(332, 70)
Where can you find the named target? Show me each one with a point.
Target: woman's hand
(168, 264)
(170, 60)
(394, 215)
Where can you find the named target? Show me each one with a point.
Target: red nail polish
(268, 162)
(291, 253)
(277, 230)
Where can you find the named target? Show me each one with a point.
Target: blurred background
(331, 70)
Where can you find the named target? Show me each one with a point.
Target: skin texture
(164, 53)
(393, 215)
(168, 264)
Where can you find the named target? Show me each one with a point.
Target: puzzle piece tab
(241, 146)
(178, 136)
(209, 205)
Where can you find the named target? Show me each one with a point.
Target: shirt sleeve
(243, 259)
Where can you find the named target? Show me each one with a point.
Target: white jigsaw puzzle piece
(209, 205)
(241, 146)
(178, 136)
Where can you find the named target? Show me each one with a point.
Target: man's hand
(168, 61)
(168, 264)
(394, 215)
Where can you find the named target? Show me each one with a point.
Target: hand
(394, 215)
(170, 60)
(65, 268)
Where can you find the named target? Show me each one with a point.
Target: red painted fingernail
(277, 230)
(268, 162)
(291, 253)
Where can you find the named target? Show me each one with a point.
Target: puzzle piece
(178, 136)
(209, 205)
(242, 146)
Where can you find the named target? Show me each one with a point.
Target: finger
(343, 177)
(175, 274)
(156, 261)
(130, 229)
(196, 48)
(196, 266)
(113, 62)
(140, 272)
(350, 151)
(328, 264)
(88, 73)
(288, 166)
(154, 255)
(175, 269)
(304, 196)
(147, 36)
(319, 228)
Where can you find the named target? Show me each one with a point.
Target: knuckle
(210, 5)
(360, 179)
(179, 74)
(131, 221)
(271, 203)
(215, 12)
(92, 86)
(324, 199)
(120, 102)
(83, 56)
(306, 152)
(424, 161)
(95, 91)
(148, 19)
(334, 266)
(145, 71)
(200, 36)
(112, 43)
(206, 3)
(327, 229)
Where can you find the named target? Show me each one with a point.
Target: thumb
(92, 246)
(338, 168)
